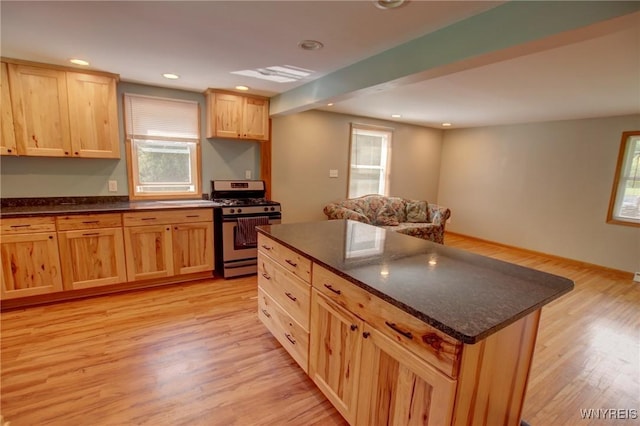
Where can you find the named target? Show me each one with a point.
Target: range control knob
(232, 211)
(266, 209)
(239, 210)
(273, 208)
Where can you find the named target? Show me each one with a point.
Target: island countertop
(463, 294)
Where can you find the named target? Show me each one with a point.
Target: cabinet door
(92, 258)
(149, 252)
(93, 116)
(334, 355)
(8, 141)
(228, 115)
(30, 265)
(193, 247)
(398, 388)
(40, 111)
(255, 119)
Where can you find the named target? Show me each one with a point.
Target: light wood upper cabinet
(40, 111)
(62, 113)
(30, 258)
(8, 141)
(93, 116)
(237, 117)
(255, 119)
(91, 250)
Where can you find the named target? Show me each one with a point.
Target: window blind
(151, 118)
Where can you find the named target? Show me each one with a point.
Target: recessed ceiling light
(171, 76)
(388, 4)
(79, 62)
(242, 88)
(446, 124)
(330, 104)
(396, 115)
(310, 45)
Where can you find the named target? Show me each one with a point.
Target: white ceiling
(204, 41)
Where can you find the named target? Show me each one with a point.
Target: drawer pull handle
(289, 338)
(267, 247)
(353, 327)
(266, 313)
(292, 263)
(20, 226)
(290, 296)
(332, 289)
(90, 234)
(148, 218)
(395, 328)
(193, 215)
(266, 276)
(88, 222)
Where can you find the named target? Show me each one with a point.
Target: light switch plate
(113, 186)
(247, 174)
(333, 173)
(636, 277)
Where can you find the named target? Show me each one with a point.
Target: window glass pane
(628, 197)
(164, 135)
(369, 161)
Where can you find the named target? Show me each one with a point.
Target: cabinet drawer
(431, 344)
(291, 293)
(89, 221)
(27, 225)
(289, 333)
(163, 217)
(292, 261)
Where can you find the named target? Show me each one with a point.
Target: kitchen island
(398, 330)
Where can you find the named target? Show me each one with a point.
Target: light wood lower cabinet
(398, 388)
(369, 378)
(91, 250)
(149, 252)
(335, 353)
(173, 243)
(193, 247)
(30, 258)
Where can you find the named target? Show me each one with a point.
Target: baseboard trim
(617, 272)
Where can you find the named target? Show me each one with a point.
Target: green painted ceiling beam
(506, 31)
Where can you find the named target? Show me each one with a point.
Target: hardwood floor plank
(196, 354)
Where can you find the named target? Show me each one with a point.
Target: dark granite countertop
(465, 295)
(29, 207)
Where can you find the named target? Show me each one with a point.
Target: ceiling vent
(277, 73)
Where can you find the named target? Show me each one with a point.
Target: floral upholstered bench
(417, 218)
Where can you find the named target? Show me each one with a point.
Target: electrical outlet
(113, 186)
(636, 277)
(333, 173)
(247, 174)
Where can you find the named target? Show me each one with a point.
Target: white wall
(543, 186)
(306, 145)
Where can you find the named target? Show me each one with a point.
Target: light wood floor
(196, 354)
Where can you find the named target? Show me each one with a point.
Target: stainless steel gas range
(240, 207)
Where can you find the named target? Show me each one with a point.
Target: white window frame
(386, 134)
(627, 169)
(170, 130)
